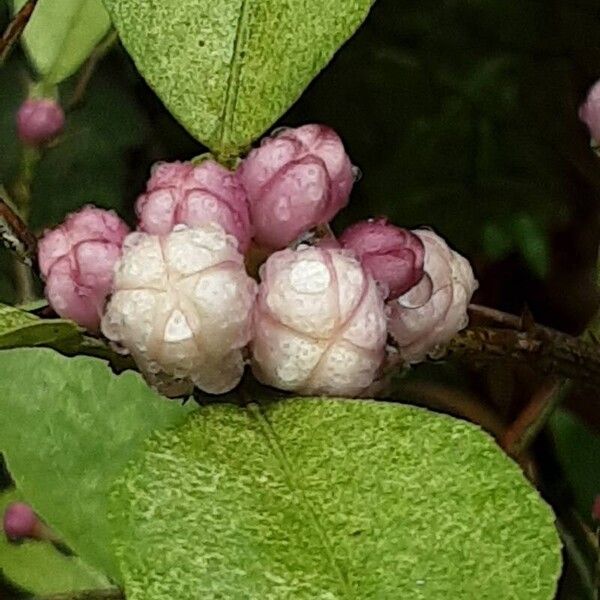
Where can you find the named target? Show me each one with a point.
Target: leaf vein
(274, 443)
(235, 68)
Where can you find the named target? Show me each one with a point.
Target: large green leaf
(39, 567)
(19, 328)
(68, 427)
(61, 35)
(316, 498)
(228, 69)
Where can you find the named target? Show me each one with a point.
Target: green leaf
(19, 328)
(61, 35)
(228, 69)
(39, 567)
(317, 498)
(70, 426)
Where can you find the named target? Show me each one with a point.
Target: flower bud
(295, 180)
(589, 111)
(20, 522)
(392, 255)
(319, 323)
(182, 306)
(181, 193)
(76, 260)
(434, 310)
(39, 121)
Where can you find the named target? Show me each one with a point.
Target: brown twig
(15, 28)
(545, 350)
(15, 235)
(524, 429)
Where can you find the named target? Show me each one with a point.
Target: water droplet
(279, 130)
(282, 210)
(356, 173)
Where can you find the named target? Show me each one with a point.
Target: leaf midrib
(274, 443)
(235, 69)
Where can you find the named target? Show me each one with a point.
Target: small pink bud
(77, 259)
(319, 323)
(392, 255)
(21, 522)
(433, 311)
(39, 121)
(589, 111)
(296, 180)
(184, 194)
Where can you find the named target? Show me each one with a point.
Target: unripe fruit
(39, 121)
(319, 323)
(295, 180)
(181, 193)
(76, 260)
(182, 306)
(394, 256)
(589, 111)
(432, 312)
(20, 522)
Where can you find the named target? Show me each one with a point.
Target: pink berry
(184, 194)
(589, 111)
(434, 310)
(39, 121)
(295, 180)
(77, 259)
(20, 522)
(319, 323)
(392, 255)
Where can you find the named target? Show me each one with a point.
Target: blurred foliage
(578, 449)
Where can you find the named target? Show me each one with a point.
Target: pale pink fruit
(39, 121)
(319, 323)
(182, 306)
(76, 260)
(433, 311)
(295, 180)
(181, 193)
(394, 256)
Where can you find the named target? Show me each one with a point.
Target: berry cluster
(177, 296)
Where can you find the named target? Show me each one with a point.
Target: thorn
(527, 320)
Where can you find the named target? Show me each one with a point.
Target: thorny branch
(520, 340)
(15, 29)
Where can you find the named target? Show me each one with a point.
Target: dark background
(462, 115)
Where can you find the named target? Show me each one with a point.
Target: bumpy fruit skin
(432, 312)
(589, 111)
(181, 193)
(20, 522)
(77, 259)
(296, 179)
(182, 305)
(319, 323)
(39, 121)
(394, 256)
